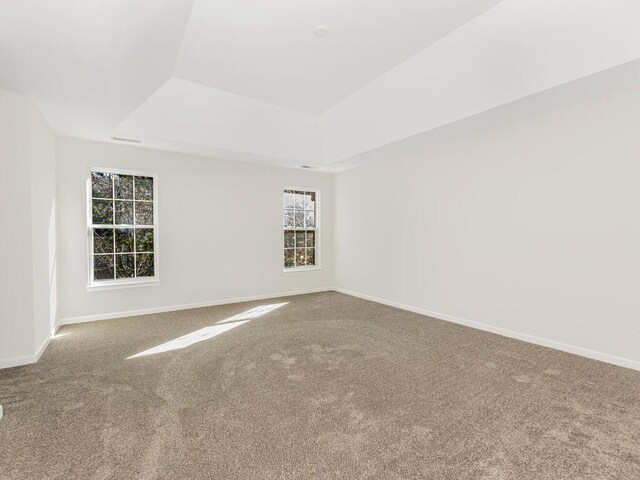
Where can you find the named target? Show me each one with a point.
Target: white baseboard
(174, 308)
(584, 352)
(43, 347)
(25, 359)
(17, 361)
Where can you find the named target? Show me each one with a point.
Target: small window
(300, 229)
(122, 228)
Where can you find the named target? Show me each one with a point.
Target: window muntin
(122, 230)
(300, 218)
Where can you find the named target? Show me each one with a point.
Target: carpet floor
(321, 386)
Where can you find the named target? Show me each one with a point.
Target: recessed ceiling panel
(268, 50)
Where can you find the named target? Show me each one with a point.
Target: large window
(300, 229)
(122, 227)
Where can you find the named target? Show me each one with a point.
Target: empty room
(319, 239)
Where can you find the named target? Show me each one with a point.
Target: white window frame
(121, 282)
(318, 249)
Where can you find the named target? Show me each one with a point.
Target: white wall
(43, 224)
(27, 192)
(525, 218)
(16, 272)
(220, 229)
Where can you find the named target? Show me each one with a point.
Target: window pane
(125, 267)
(300, 220)
(288, 199)
(101, 186)
(288, 219)
(311, 256)
(311, 239)
(124, 240)
(310, 219)
(124, 213)
(127, 200)
(310, 201)
(289, 258)
(103, 267)
(102, 212)
(144, 265)
(144, 239)
(144, 188)
(289, 239)
(144, 213)
(123, 186)
(103, 240)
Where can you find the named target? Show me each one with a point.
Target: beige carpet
(324, 387)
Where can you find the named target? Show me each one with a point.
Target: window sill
(301, 269)
(122, 284)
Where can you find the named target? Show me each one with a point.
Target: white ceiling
(266, 49)
(248, 80)
(191, 113)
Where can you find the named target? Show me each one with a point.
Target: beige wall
(220, 229)
(524, 219)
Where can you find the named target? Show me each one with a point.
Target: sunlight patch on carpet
(209, 332)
